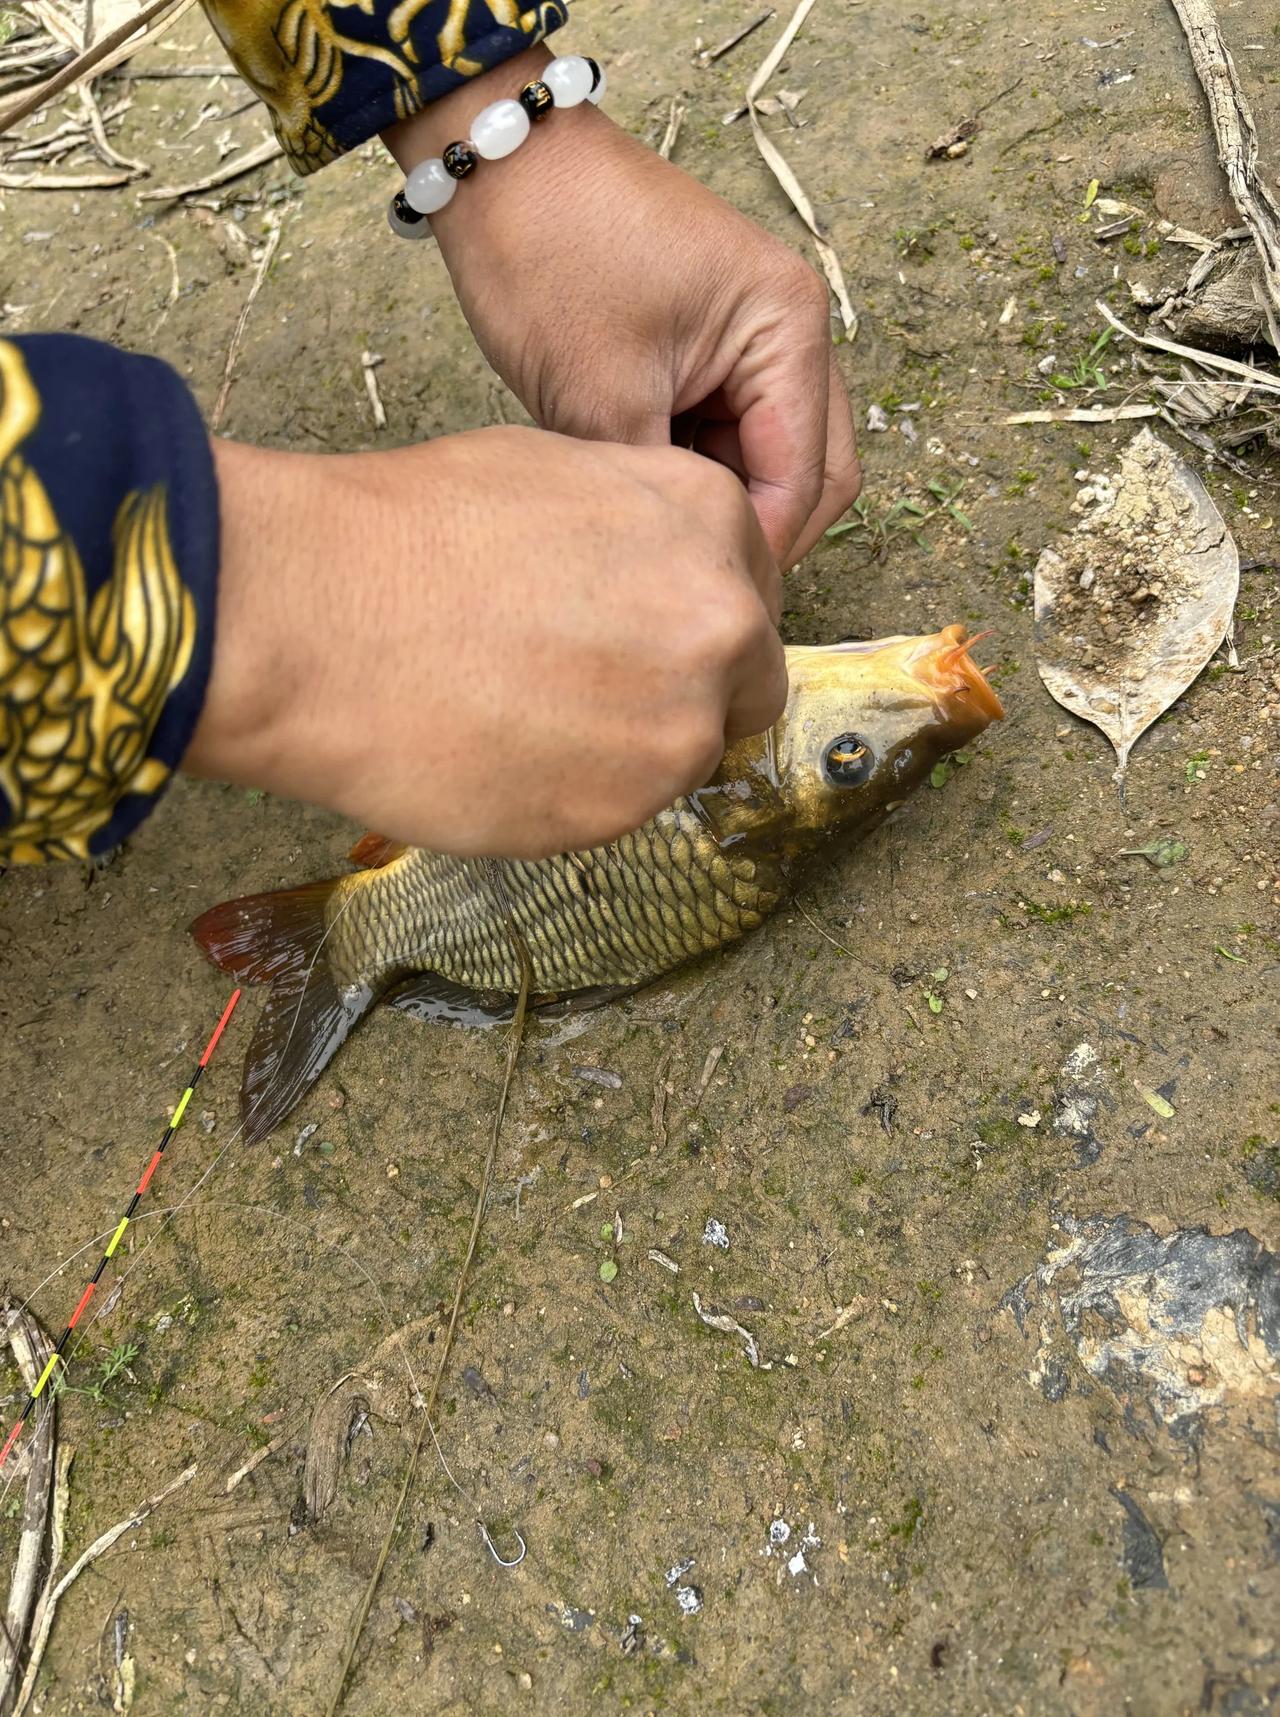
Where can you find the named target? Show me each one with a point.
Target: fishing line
(513, 1055)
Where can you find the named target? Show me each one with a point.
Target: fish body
(440, 935)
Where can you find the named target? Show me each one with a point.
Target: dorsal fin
(371, 852)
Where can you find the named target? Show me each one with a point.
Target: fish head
(864, 725)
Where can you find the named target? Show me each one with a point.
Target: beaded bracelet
(497, 131)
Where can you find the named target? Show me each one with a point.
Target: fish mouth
(958, 685)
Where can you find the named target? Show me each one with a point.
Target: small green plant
(1086, 372)
(903, 517)
(617, 1237)
(916, 242)
(114, 1364)
(1195, 769)
(1057, 914)
(946, 767)
(933, 987)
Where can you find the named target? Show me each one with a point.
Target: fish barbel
(439, 936)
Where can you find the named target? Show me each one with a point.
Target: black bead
(460, 159)
(596, 73)
(404, 210)
(537, 100)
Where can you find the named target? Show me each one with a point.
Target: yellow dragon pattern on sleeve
(82, 681)
(300, 57)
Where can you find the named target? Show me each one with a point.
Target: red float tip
(219, 1029)
(10, 1441)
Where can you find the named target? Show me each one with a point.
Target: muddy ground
(1016, 1411)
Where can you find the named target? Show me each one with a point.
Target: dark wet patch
(1142, 1552)
(1177, 1324)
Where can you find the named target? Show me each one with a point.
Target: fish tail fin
(277, 939)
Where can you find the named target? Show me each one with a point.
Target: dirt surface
(1008, 1254)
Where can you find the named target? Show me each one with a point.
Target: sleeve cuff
(390, 59)
(110, 518)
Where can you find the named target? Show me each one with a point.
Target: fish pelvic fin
(277, 939)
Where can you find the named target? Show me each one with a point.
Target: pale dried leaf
(1131, 606)
(777, 165)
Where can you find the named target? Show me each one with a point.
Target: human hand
(504, 643)
(620, 300)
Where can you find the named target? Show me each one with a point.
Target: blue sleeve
(333, 76)
(108, 578)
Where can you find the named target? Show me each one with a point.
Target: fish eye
(849, 761)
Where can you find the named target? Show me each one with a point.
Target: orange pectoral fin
(371, 852)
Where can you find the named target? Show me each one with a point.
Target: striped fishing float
(56, 1357)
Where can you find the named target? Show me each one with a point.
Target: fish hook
(492, 1548)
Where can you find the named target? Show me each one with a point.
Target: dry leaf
(1132, 605)
(954, 143)
(777, 165)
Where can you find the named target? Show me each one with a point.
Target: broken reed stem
(233, 350)
(84, 63)
(1236, 134)
(99, 1547)
(31, 1349)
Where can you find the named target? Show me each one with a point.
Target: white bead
(569, 80)
(406, 229)
(597, 94)
(429, 187)
(498, 129)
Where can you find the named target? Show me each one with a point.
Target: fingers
(760, 694)
(842, 473)
(780, 393)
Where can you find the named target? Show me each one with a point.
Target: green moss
(1058, 914)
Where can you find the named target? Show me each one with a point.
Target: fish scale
(438, 936)
(592, 919)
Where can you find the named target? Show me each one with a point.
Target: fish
(443, 937)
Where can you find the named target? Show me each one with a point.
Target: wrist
(557, 142)
(268, 504)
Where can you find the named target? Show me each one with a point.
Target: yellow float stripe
(45, 1374)
(178, 1112)
(117, 1236)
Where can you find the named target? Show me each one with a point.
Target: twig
(1085, 414)
(1236, 133)
(98, 130)
(730, 1326)
(223, 175)
(777, 165)
(180, 72)
(674, 122)
(514, 1043)
(658, 1109)
(255, 1460)
(63, 181)
(233, 350)
(1211, 360)
(31, 1348)
(99, 1547)
(1199, 439)
(709, 56)
(175, 284)
(708, 1070)
(111, 50)
(369, 362)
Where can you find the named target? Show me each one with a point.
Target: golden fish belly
(616, 915)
